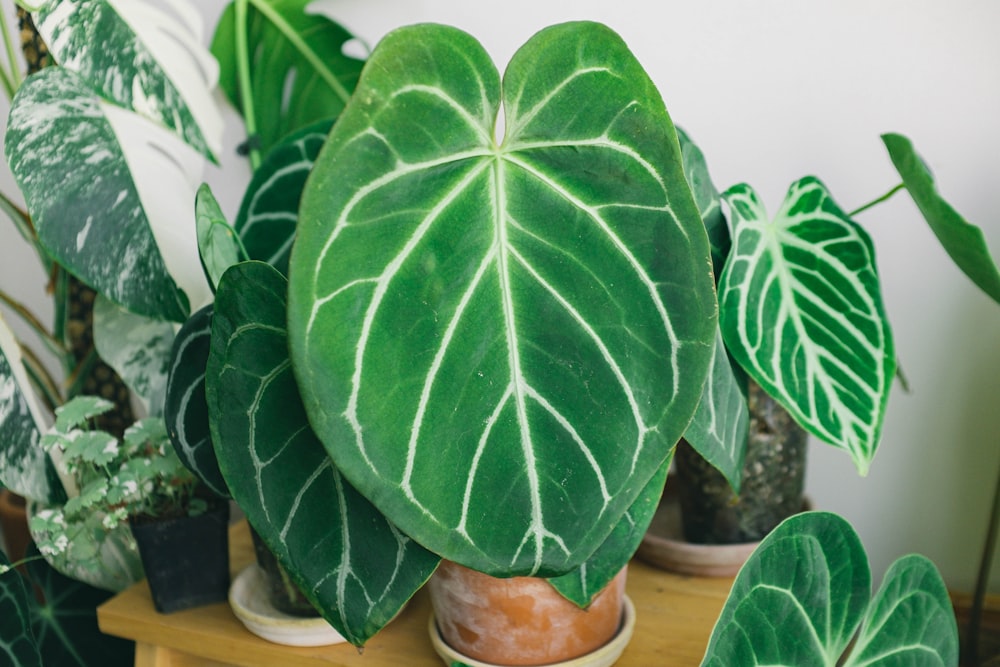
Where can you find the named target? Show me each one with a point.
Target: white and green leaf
(143, 57)
(500, 344)
(137, 348)
(801, 311)
(186, 410)
(299, 73)
(963, 241)
(269, 212)
(355, 567)
(106, 189)
(218, 245)
(721, 423)
(803, 594)
(25, 468)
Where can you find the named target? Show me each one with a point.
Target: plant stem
(33, 322)
(11, 75)
(40, 378)
(245, 83)
(875, 202)
(982, 580)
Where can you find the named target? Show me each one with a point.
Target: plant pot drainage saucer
(602, 657)
(664, 546)
(248, 598)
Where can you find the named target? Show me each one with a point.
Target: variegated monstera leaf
(499, 341)
(801, 310)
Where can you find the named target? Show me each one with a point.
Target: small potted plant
(181, 532)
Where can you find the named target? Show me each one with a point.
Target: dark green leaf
(708, 199)
(355, 567)
(963, 241)
(18, 646)
(185, 409)
(218, 246)
(270, 209)
(500, 344)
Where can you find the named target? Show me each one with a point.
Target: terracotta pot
(14, 524)
(520, 620)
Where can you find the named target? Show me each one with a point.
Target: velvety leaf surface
(721, 423)
(708, 199)
(802, 595)
(299, 72)
(186, 410)
(584, 583)
(270, 208)
(353, 565)
(137, 348)
(18, 646)
(24, 467)
(801, 311)
(65, 624)
(964, 242)
(499, 344)
(142, 58)
(58, 141)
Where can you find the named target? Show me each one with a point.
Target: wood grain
(675, 616)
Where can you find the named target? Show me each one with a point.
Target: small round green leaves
(500, 341)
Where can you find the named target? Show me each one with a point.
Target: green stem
(12, 79)
(983, 579)
(4, 569)
(60, 300)
(29, 318)
(245, 84)
(79, 376)
(875, 202)
(41, 380)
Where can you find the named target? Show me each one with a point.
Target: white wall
(773, 90)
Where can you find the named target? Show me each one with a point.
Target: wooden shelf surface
(675, 616)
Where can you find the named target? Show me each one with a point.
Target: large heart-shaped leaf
(583, 584)
(141, 58)
(801, 311)
(270, 208)
(137, 348)
(185, 409)
(500, 344)
(106, 189)
(353, 565)
(964, 242)
(24, 467)
(299, 73)
(802, 595)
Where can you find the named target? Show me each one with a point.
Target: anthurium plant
(800, 308)
(805, 598)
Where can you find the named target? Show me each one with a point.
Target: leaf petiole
(875, 202)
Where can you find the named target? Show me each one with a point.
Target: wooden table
(675, 616)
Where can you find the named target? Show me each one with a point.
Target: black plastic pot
(772, 483)
(186, 559)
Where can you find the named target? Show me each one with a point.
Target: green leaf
(67, 151)
(186, 410)
(78, 411)
(801, 311)
(708, 199)
(500, 344)
(18, 646)
(218, 245)
(25, 468)
(802, 595)
(721, 424)
(298, 71)
(963, 241)
(137, 348)
(66, 623)
(355, 567)
(270, 208)
(141, 58)
(584, 583)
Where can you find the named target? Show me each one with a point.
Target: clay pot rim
(605, 656)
